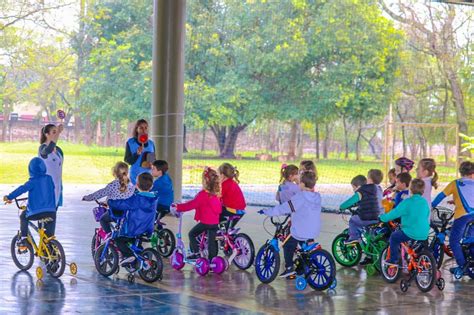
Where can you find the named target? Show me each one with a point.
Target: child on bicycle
(119, 188)
(232, 198)
(366, 197)
(140, 218)
(288, 183)
(414, 213)
(208, 209)
(403, 165)
(402, 184)
(426, 171)
(392, 177)
(305, 210)
(462, 190)
(41, 199)
(163, 186)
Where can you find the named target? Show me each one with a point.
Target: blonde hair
(120, 171)
(210, 181)
(229, 171)
(429, 165)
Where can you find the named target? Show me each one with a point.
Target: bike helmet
(405, 163)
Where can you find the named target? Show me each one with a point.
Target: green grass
(93, 165)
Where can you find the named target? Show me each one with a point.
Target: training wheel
(39, 273)
(333, 284)
(131, 278)
(440, 284)
(73, 268)
(370, 269)
(301, 283)
(404, 285)
(39, 283)
(177, 261)
(218, 265)
(202, 266)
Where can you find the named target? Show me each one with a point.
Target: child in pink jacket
(208, 209)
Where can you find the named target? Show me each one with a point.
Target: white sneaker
(127, 260)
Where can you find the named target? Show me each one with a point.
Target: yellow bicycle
(49, 250)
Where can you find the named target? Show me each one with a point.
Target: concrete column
(169, 19)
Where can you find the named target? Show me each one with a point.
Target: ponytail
(434, 180)
(120, 171)
(44, 131)
(286, 171)
(229, 171)
(429, 165)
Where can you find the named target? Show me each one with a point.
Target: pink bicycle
(201, 265)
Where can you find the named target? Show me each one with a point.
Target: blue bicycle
(439, 230)
(467, 245)
(313, 265)
(148, 263)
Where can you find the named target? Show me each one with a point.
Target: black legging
(211, 238)
(50, 227)
(106, 219)
(122, 244)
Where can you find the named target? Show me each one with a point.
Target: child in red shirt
(208, 208)
(232, 198)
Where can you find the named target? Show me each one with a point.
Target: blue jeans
(457, 232)
(355, 224)
(396, 239)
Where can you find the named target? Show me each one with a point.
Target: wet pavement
(184, 292)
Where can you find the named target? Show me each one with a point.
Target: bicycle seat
(417, 245)
(45, 220)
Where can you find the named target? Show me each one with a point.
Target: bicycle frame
(279, 235)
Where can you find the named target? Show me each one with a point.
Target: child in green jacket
(414, 213)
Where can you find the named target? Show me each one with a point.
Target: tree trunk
(108, 127)
(226, 139)
(404, 139)
(6, 117)
(203, 141)
(118, 134)
(292, 142)
(445, 110)
(458, 101)
(357, 143)
(98, 134)
(185, 150)
(317, 141)
(326, 142)
(346, 138)
(88, 132)
(299, 145)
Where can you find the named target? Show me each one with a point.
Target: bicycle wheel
(267, 263)
(106, 260)
(24, 258)
(166, 242)
(438, 251)
(389, 273)
(246, 250)
(347, 256)
(93, 244)
(322, 270)
(153, 266)
(57, 263)
(425, 277)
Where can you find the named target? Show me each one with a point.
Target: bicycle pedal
(292, 277)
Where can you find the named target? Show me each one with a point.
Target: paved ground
(234, 292)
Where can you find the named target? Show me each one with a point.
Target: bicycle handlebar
(443, 210)
(278, 223)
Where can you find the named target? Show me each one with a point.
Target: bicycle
(467, 245)
(237, 247)
(314, 265)
(49, 249)
(418, 262)
(201, 264)
(373, 241)
(440, 230)
(148, 262)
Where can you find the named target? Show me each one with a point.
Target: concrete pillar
(168, 85)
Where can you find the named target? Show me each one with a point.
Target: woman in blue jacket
(139, 155)
(41, 198)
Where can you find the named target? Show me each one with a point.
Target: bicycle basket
(99, 212)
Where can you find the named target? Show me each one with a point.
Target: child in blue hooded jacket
(140, 217)
(305, 210)
(41, 198)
